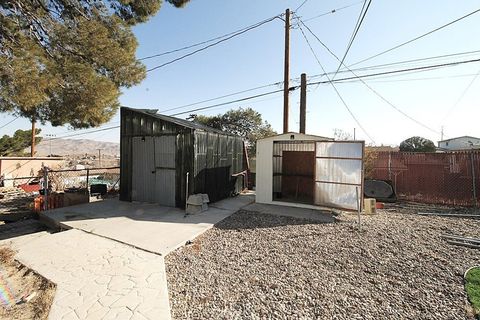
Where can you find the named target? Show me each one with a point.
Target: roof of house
(181, 122)
(462, 137)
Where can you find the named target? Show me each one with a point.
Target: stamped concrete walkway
(97, 278)
(109, 264)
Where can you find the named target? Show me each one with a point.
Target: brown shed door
(298, 176)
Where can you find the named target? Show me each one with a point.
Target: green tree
(417, 144)
(64, 61)
(246, 123)
(15, 145)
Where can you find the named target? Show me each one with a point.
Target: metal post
(390, 167)
(303, 102)
(45, 188)
(32, 147)
(358, 206)
(286, 76)
(88, 177)
(474, 182)
(186, 191)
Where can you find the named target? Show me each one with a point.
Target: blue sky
(256, 58)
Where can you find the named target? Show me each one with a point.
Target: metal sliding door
(338, 174)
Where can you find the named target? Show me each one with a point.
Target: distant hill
(64, 147)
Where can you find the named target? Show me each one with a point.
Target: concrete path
(109, 263)
(96, 278)
(310, 214)
(148, 227)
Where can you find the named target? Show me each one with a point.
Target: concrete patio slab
(97, 278)
(301, 213)
(148, 227)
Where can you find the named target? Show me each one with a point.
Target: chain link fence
(451, 178)
(90, 178)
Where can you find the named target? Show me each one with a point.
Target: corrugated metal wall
(210, 158)
(136, 124)
(217, 158)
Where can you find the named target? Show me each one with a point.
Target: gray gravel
(257, 266)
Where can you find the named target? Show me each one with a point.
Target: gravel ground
(256, 266)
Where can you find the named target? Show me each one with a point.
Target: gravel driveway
(256, 266)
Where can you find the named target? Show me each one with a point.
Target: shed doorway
(298, 176)
(153, 169)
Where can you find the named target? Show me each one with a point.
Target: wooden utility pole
(32, 148)
(286, 76)
(303, 102)
(100, 158)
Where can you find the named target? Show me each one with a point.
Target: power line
(361, 17)
(462, 95)
(339, 80)
(230, 102)
(333, 11)
(215, 43)
(416, 38)
(370, 88)
(334, 87)
(199, 43)
(221, 97)
(301, 5)
(429, 67)
(6, 124)
(82, 133)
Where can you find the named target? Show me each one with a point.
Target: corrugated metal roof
(181, 122)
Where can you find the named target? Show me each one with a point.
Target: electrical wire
(429, 67)
(370, 88)
(333, 11)
(82, 133)
(221, 97)
(416, 38)
(6, 124)
(214, 44)
(301, 5)
(335, 88)
(461, 96)
(230, 102)
(200, 43)
(360, 20)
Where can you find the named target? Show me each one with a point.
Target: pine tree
(64, 61)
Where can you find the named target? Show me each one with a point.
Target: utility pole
(441, 134)
(286, 76)
(100, 158)
(354, 134)
(32, 147)
(303, 102)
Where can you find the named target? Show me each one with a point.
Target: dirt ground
(18, 282)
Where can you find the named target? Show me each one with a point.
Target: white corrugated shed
(264, 163)
(301, 170)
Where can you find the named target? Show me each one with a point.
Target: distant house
(459, 143)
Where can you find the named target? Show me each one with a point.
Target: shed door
(153, 170)
(339, 174)
(165, 147)
(143, 169)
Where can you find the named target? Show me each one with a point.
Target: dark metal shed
(157, 152)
